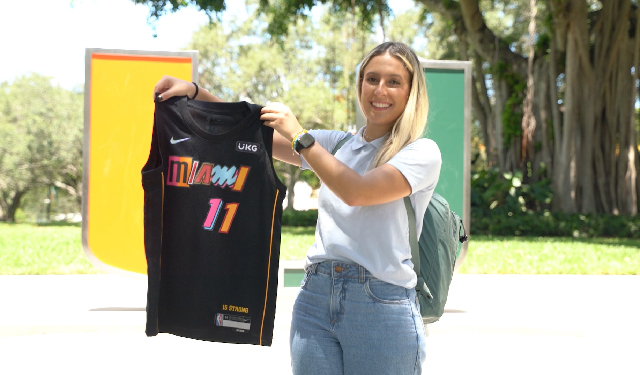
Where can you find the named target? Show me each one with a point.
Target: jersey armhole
(267, 139)
(154, 160)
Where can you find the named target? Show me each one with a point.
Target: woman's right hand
(168, 87)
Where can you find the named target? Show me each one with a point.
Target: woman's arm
(169, 87)
(380, 185)
(282, 150)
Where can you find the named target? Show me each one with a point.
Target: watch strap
(303, 141)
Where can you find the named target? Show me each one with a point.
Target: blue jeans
(347, 322)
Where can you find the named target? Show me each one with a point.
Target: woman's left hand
(280, 118)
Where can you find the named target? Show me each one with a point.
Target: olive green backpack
(434, 253)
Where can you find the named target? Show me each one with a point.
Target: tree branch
(486, 43)
(69, 189)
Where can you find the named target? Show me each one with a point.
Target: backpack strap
(464, 237)
(341, 143)
(413, 236)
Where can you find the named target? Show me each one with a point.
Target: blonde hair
(410, 125)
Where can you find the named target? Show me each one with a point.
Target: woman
(357, 311)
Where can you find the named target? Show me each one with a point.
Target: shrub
(556, 224)
(503, 204)
(495, 193)
(295, 218)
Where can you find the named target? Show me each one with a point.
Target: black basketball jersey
(212, 217)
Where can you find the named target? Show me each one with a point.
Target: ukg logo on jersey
(183, 171)
(249, 147)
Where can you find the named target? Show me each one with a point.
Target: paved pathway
(493, 324)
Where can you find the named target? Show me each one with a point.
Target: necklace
(366, 138)
(364, 135)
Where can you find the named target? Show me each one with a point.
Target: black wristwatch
(304, 141)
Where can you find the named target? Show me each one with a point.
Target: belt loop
(313, 268)
(361, 274)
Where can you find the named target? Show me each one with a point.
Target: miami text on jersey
(183, 171)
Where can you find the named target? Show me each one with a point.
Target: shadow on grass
(629, 242)
(299, 230)
(60, 224)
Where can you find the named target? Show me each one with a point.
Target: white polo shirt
(376, 237)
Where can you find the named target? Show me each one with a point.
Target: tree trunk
(601, 177)
(633, 151)
(482, 105)
(631, 147)
(542, 150)
(528, 117)
(592, 154)
(485, 42)
(585, 199)
(626, 164)
(555, 110)
(4, 207)
(564, 177)
(497, 120)
(480, 100)
(14, 205)
(614, 141)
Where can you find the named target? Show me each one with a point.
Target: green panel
(293, 277)
(445, 126)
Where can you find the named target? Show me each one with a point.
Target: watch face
(304, 141)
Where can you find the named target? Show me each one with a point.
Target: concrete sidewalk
(493, 324)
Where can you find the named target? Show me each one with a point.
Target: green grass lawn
(296, 241)
(545, 255)
(27, 249)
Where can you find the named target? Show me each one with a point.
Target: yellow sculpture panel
(118, 124)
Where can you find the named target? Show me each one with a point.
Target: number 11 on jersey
(214, 211)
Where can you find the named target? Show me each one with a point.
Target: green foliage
(512, 117)
(543, 43)
(495, 194)
(281, 14)
(342, 43)
(310, 178)
(158, 8)
(512, 113)
(407, 28)
(44, 204)
(312, 71)
(41, 127)
(510, 21)
(294, 218)
(442, 42)
(239, 62)
(503, 205)
(557, 224)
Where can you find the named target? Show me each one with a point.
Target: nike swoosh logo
(174, 141)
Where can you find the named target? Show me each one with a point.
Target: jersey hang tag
(252, 148)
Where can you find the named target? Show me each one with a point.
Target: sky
(49, 37)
